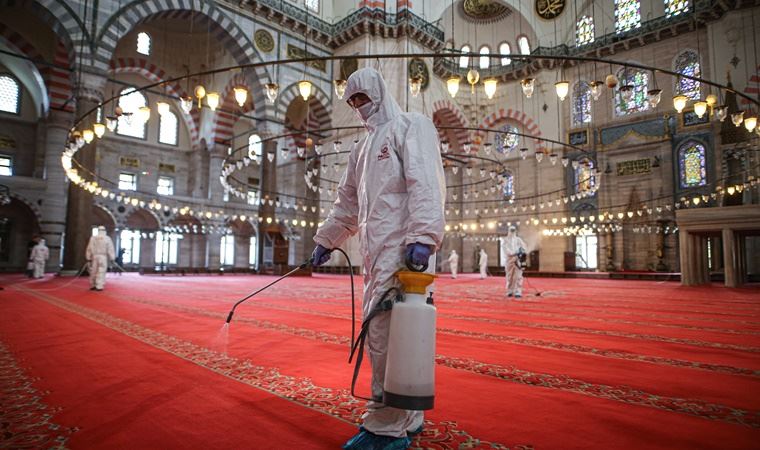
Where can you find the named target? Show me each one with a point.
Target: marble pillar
(730, 263)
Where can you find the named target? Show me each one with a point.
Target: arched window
(627, 15)
(509, 185)
(464, 60)
(676, 7)
(581, 103)
(254, 146)
(129, 124)
(143, 43)
(584, 176)
(10, 94)
(508, 141)
(485, 61)
(687, 63)
(504, 49)
(168, 128)
(584, 31)
(692, 167)
(638, 100)
(524, 45)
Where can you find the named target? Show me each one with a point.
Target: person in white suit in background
(454, 263)
(38, 257)
(99, 253)
(511, 246)
(483, 264)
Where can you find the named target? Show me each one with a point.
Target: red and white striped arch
(57, 78)
(447, 114)
(225, 118)
(491, 121)
(155, 74)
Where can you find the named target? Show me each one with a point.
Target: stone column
(242, 250)
(53, 208)
(730, 263)
(609, 240)
(213, 251)
(215, 188)
(684, 241)
(80, 202)
(268, 183)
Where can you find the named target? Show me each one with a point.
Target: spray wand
(303, 265)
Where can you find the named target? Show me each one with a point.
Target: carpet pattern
(588, 364)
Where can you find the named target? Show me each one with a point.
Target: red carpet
(588, 364)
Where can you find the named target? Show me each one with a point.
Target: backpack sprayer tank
(410, 367)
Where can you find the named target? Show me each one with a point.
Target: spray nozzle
(229, 318)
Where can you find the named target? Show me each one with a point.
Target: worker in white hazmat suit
(392, 194)
(38, 257)
(454, 263)
(511, 246)
(99, 253)
(483, 264)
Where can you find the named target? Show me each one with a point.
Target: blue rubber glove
(418, 254)
(320, 255)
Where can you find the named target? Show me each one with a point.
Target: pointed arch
(529, 125)
(154, 74)
(223, 29)
(224, 116)
(446, 113)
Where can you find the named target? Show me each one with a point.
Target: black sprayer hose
(353, 301)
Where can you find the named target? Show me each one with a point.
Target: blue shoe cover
(369, 441)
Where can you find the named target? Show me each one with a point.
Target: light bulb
(304, 88)
(653, 97)
(749, 123)
(489, 85)
(452, 85)
(737, 118)
(270, 91)
(539, 156)
(731, 190)
(445, 147)
(596, 89)
(679, 102)
(712, 99)
(553, 158)
(186, 103)
(88, 135)
(241, 95)
(473, 76)
(562, 88)
(565, 161)
(527, 86)
(415, 86)
(200, 91)
(626, 92)
(143, 114)
(611, 81)
(212, 99)
(100, 129)
(467, 147)
(700, 108)
(340, 88)
(162, 108)
(524, 152)
(111, 123)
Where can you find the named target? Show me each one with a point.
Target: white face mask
(365, 111)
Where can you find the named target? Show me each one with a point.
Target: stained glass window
(143, 43)
(584, 176)
(524, 45)
(687, 63)
(638, 101)
(485, 61)
(10, 94)
(504, 49)
(627, 15)
(509, 185)
(692, 165)
(676, 7)
(464, 60)
(584, 31)
(506, 142)
(581, 103)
